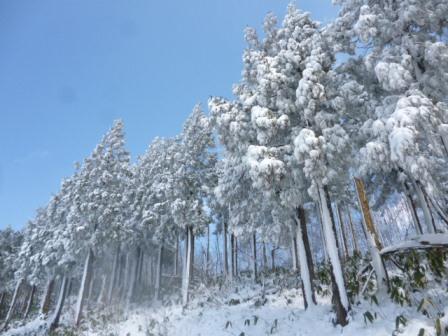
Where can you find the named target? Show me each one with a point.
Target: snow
(37, 327)
(241, 310)
(304, 271)
(422, 241)
(332, 249)
(82, 289)
(393, 76)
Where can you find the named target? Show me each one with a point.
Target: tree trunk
(321, 226)
(2, 302)
(413, 209)
(372, 238)
(354, 236)
(57, 313)
(232, 259)
(126, 275)
(340, 298)
(437, 208)
(273, 259)
(114, 275)
(23, 300)
(207, 252)
(176, 257)
(13, 303)
(46, 300)
(265, 257)
(102, 294)
(236, 256)
(423, 203)
(306, 259)
(91, 284)
(132, 279)
(294, 251)
(192, 254)
(158, 273)
(139, 270)
(151, 271)
(187, 268)
(254, 257)
(226, 263)
(29, 303)
(83, 289)
(343, 232)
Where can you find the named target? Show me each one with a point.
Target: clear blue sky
(69, 68)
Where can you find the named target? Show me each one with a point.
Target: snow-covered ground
(244, 312)
(245, 309)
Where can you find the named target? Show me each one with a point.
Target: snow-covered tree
(96, 214)
(404, 69)
(193, 171)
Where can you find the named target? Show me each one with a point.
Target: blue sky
(69, 68)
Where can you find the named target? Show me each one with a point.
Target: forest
(325, 173)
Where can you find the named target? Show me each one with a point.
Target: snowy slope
(281, 314)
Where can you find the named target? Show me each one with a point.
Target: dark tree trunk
(176, 257)
(29, 303)
(232, 251)
(207, 253)
(46, 301)
(254, 256)
(2, 302)
(305, 251)
(413, 209)
(226, 263)
(265, 257)
(273, 259)
(192, 254)
(236, 256)
(158, 273)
